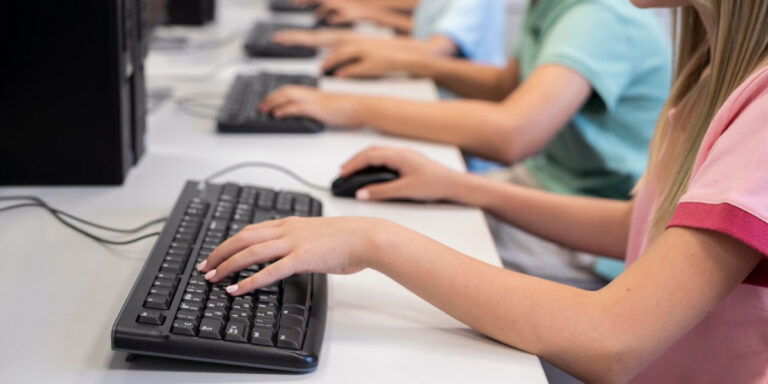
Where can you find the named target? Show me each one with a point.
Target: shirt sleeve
(728, 190)
(469, 23)
(590, 39)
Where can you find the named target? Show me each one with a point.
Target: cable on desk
(263, 164)
(195, 105)
(61, 215)
(177, 43)
(208, 75)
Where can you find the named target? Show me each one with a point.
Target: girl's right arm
(594, 225)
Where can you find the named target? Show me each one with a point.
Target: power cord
(33, 201)
(262, 164)
(212, 72)
(196, 105)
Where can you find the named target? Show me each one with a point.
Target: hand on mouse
(420, 178)
(369, 58)
(300, 245)
(331, 109)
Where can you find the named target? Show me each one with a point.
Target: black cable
(78, 229)
(41, 202)
(214, 71)
(262, 164)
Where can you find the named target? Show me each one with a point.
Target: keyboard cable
(262, 164)
(61, 216)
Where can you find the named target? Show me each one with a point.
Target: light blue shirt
(625, 56)
(477, 27)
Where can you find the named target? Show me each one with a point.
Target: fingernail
(362, 194)
(210, 274)
(201, 266)
(232, 288)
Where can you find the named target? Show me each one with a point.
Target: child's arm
(602, 337)
(506, 132)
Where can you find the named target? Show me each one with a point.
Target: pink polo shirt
(728, 193)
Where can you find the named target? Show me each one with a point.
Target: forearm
(397, 21)
(547, 319)
(400, 5)
(478, 127)
(462, 76)
(594, 225)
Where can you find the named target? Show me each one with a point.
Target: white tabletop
(61, 292)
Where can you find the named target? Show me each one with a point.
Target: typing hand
(338, 12)
(330, 109)
(420, 178)
(297, 245)
(308, 38)
(365, 59)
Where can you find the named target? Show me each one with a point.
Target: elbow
(609, 366)
(505, 140)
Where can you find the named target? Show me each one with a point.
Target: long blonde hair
(704, 79)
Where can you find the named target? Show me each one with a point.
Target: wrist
(465, 189)
(382, 237)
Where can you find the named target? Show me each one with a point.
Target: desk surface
(61, 292)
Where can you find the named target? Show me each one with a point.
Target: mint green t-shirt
(624, 54)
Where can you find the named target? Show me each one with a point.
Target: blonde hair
(704, 79)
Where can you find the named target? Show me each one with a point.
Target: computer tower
(191, 12)
(71, 92)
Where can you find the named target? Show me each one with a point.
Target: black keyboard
(240, 113)
(259, 42)
(290, 6)
(173, 311)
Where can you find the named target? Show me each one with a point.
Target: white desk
(61, 292)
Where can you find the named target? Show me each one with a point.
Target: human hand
(367, 58)
(296, 101)
(420, 178)
(298, 245)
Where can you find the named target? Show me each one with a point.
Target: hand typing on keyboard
(296, 245)
(297, 101)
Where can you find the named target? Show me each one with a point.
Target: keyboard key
(151, 317)
(188, 315)
(237, 330)
(239, 313)
(292, 310)
(263, 335)
(157, 301)
(195, 297)
(196, 288)
(289, 337)
(219, 314)
(161, 282)
(211, 328)
(191, 306)
(171, 267)
(292, 321)
(164, 291)
(184, 327)
(218, 304)
(267, 298)
(296, 290)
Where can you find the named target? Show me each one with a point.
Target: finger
(356, 69)
(383, 191)
(290, 110)
(255, 254)
(373, 156)
(278, 97)
(249, 236)
(274, 272)
(339, 56)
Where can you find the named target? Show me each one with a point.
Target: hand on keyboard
(310, 38)
(369, 58)
(296, 101)
(295, 245)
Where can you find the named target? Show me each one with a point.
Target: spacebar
(296, 290)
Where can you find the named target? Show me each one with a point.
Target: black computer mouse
(348, 186)
(332, 70)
